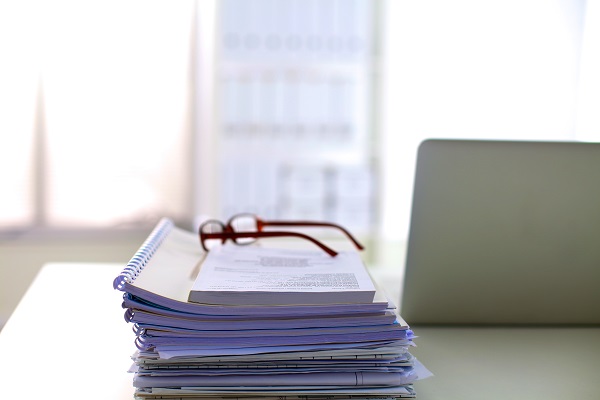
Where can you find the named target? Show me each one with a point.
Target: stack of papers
(190, 350)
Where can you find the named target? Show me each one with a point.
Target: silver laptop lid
(504, 232)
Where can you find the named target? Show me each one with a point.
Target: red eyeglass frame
(229, 233)
(260, 224)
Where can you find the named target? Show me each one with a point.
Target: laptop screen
(504, 232)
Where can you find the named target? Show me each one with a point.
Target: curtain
(95, 111)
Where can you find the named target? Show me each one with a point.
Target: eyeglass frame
(229, 233)
(260, 224)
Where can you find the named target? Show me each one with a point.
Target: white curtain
(508, 69)
(113, 121)
(113, 138)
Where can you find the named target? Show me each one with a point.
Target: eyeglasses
(246, 228)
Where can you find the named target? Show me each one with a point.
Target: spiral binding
(143, 255)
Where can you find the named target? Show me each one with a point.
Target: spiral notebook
(165, 268)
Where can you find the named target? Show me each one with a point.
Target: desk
(67, 338)
(509, 363)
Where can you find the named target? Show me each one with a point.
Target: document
(274, 380)
(273, 323)
(236, 275)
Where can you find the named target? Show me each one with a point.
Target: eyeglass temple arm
(311, 223)
(236, 235)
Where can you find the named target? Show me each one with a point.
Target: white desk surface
(68, 338)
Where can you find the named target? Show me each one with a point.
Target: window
(472, 69)
(94, 112)
(296, 88)
(117, 113)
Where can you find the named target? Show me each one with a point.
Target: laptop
(504, 232)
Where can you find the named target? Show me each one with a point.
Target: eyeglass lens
(244, 223)
(212, 227)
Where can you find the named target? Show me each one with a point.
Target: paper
(289, 393)
(251, 275)
(290, 322)
(340, 350)
(348, 347)
(285, 379)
